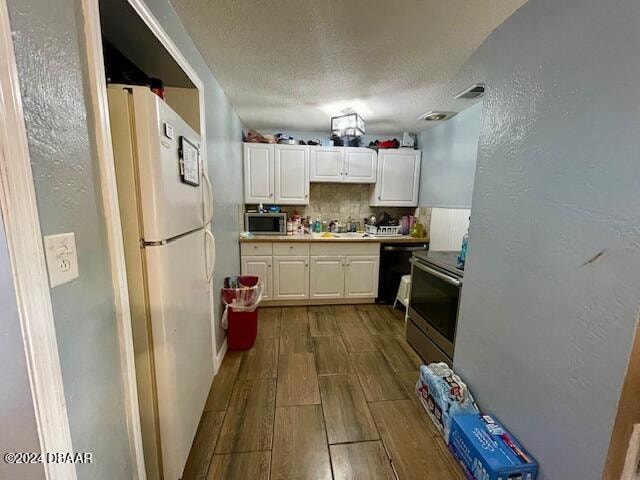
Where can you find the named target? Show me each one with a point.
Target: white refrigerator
(165, 204)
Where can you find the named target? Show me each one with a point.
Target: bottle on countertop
(417, 230)
(462, 258)
(289, 227)
(260, 208)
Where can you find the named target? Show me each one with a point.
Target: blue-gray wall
(449, 153)
(224, 150)
(17, 417)
(48, 44)
(552, 290)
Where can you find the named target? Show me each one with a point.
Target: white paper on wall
(448, 226)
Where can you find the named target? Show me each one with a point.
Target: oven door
(434, 304)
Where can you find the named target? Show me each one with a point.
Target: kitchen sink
(339, 235)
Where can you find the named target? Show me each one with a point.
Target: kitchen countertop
(309, 238)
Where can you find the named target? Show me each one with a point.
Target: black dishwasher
(394, 263)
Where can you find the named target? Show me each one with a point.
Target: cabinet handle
(306, 196)
(346, 173)
(271, 195)
(379, 197)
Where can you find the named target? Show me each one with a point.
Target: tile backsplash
(340, 201)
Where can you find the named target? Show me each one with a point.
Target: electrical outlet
(62, 259)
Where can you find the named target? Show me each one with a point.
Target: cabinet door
(261, 267)
(326, 277)
(398, 178)
(326, 164)
(258, 173)
(292, 174)
(360, 165)
(291, 277)
(361, 277)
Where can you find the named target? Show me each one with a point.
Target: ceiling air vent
(433, 116)
(474, 91)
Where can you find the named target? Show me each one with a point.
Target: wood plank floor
(326, 392)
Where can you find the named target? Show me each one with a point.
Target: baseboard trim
(312, 302)
(221, 354)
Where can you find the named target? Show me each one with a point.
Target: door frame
(19, 212)
(99, 117)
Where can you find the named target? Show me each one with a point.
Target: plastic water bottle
(463, 251)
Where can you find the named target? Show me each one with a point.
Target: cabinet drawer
(345, 248)
(257, 248)
(291, 248)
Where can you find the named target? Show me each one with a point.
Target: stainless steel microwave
(266, 223)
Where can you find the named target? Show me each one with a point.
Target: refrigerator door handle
(210, 243)
(208, 205)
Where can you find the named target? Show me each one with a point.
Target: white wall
(552, 285)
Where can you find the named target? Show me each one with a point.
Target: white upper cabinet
(343, 164)
(292, 174)
(360, 165)
(326, 164)
(259, 173)
(398, 178)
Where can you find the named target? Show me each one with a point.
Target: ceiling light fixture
(349, 125)
(433, 116)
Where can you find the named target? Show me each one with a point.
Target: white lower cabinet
(294, 271)
(326, 277)
(361, 277)
(291, 277)
(260, 266)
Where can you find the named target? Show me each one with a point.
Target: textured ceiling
(292, 64)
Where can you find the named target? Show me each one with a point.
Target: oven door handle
(436, 273)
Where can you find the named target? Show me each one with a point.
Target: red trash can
(241, 296)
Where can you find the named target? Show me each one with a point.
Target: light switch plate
(62, 259)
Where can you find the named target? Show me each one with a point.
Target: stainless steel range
(436, 282)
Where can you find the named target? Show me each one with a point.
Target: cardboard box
(487, 451)
(443, 395)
